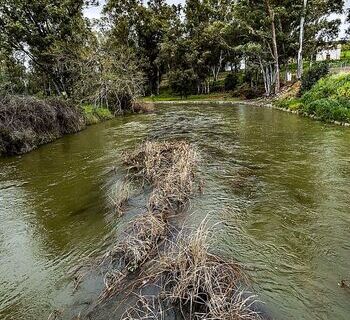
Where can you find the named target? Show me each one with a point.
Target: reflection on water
(279, 183)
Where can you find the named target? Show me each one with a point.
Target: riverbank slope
(28, 122)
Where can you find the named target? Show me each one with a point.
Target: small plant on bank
(96, 114)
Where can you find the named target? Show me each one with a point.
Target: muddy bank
(157, 268)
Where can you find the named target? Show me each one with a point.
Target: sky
(95, 12)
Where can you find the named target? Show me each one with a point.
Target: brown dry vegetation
(179, 267)
(170, 168)
(199, 284)
(142, 107)
(27, 122)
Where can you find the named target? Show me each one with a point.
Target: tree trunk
(301, 42)
(271, 14)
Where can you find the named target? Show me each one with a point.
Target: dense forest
(49, 48)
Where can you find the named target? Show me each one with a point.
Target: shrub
(217, 86)
(247, 92)
(231, 81)
(311, 76)
(328, 109)
(27, 122)
(94, 114)
(182, 82)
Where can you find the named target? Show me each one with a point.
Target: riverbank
(29, 122)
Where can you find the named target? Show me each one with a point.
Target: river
(279, 183)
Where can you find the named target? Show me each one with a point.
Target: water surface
(280, 184)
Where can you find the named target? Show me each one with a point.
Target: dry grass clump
(199, 284)
(138, 246)
(170, 168)
(142, 107)
(27, 122)
(120, 194)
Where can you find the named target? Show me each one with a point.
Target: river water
(279, 183)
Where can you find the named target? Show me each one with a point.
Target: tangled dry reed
(184, 276)
(199, 284)
(170, 168)
(27, 122)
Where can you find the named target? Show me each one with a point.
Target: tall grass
(176, 266)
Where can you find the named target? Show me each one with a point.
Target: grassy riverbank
(327, 100)
(167, 96)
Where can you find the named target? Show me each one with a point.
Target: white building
(329, 54)
(229, 65)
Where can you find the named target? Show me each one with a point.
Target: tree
(301, 41)
(142, 27)
(50, 35)
(110, 77)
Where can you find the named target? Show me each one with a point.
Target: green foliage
(182, 82)
(245, 91)
(328, 109)
(231, 81)
(328, 99)
(51, 34)
(289, 103)
(312, 75)
(96, 114)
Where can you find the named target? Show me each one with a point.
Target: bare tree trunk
(274, 46)
(265, 77)
(301, 42)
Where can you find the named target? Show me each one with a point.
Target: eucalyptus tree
(142, 27)
(314, 16)
(50, 35)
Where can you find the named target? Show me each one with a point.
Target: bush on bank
(94, 115)
(327, 100)
(28, 122)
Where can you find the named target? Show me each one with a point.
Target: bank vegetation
(320, 95)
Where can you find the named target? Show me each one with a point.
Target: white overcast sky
(95, 12)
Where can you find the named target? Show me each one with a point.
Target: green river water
(279, 183)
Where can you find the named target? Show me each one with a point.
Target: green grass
(345, 54)
(203, 97)
(166, 95)
(96, 114)
(328, 100)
